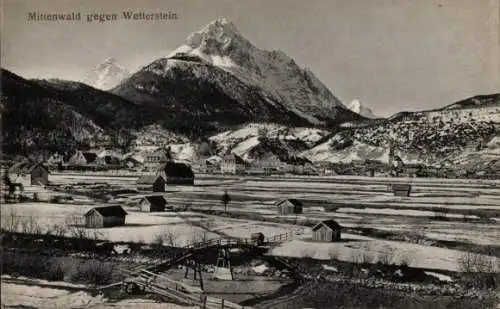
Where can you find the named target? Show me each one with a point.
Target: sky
(392, 55)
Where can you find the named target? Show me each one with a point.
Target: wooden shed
(154, 183)
(289, 206)
(326, 231)
(401, 189)
(152, 203)
(29, 173)
(106, 216)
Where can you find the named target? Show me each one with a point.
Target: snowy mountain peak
(107, 74)
(358, 108)
(274, 73)
(219, 38)
(110, 61)
(219, 30)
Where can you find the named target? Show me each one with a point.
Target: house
(55, 159)
(358, 162)
(154, 183)
(310, 169)
(152, 203)
(297, 165)
(29, 173)
(106, 216)
(212, 164)
(289, 206)
(401, 189)
(107, 158)
(80, 158)
(272, 162)
(232, 164)
(176, 173)
(326, 168)
(415, 170)
(157, 157)
(326, 231)
(131, 162)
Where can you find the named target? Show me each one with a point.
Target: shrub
(18, 263)
(478, 270)
(55, 270)
(94, 272)
(386, 256)
(55, 199)
(158, 240)
(333, 254)
(170, 237)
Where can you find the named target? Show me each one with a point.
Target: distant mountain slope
(476, 101)
(449, 133)
(255, 142)
(197, 92)
(480, 108)
(35, 118)
(218, 76)
(105, 109)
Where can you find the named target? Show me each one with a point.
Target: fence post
(222, 303)
(204, 301)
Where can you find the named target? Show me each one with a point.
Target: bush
(386, 256)
(55, 199)
(55, 270)
(18, 263)
(94, 272)
(479, 270)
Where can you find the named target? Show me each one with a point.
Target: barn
(152, 203)
(154, 183)
(289, 206)
(401, 189)
(106, 216)
(232, 164)
(29, 173)
(177, 173)
(326, 231)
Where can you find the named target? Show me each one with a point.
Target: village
(249, 155)
(183, 232)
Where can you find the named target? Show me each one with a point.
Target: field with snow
(442, 210)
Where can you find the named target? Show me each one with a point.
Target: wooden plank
(186, 286)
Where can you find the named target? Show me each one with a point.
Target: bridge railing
(167, 287)
(240, 241)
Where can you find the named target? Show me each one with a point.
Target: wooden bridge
(148, 280)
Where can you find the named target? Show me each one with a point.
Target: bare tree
(355, 256)
(29, 225)
(406, 259)
(386, 256)
(170, 237)
(199, 236)
(333, 254)
(308, 253)
(75, 227)
(225, 199)
(367, 257)
(10, 220)
(58, 230)
(479, 270)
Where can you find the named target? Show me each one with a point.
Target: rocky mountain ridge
(219, 77)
